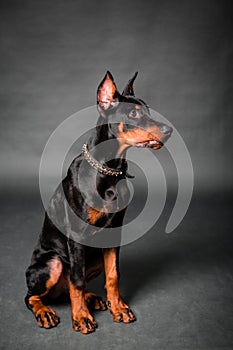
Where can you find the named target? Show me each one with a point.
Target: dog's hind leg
(41, 278)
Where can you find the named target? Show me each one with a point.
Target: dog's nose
(166, 130)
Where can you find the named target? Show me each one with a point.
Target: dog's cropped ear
(129, 89)
(107, 93)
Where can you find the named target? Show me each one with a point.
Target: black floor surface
(179, 285)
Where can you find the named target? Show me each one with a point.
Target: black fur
(81, 262)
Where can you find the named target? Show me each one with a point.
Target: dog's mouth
(155, 144)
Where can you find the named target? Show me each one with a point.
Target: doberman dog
(61, 263)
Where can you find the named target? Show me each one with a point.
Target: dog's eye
(133, 113)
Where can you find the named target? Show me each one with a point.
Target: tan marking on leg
(55, 270)
(82, 320)
(46, 316)
(119, 310)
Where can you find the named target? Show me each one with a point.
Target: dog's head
(128, 117)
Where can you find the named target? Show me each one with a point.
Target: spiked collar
(103, 169)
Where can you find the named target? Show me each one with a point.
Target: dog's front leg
(119, 310)
(82, 320)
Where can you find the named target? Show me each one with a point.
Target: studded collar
(103, 169)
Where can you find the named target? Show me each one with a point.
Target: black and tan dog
(61, 263)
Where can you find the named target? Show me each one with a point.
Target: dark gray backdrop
(53, 55)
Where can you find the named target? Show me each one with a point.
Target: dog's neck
(104, 147)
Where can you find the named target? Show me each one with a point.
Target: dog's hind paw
(95, 302)
(47, 318)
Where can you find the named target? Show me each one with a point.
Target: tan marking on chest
(94, 215)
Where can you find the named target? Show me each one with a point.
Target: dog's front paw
(121, 312)
(84, 323)
(47, 317)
